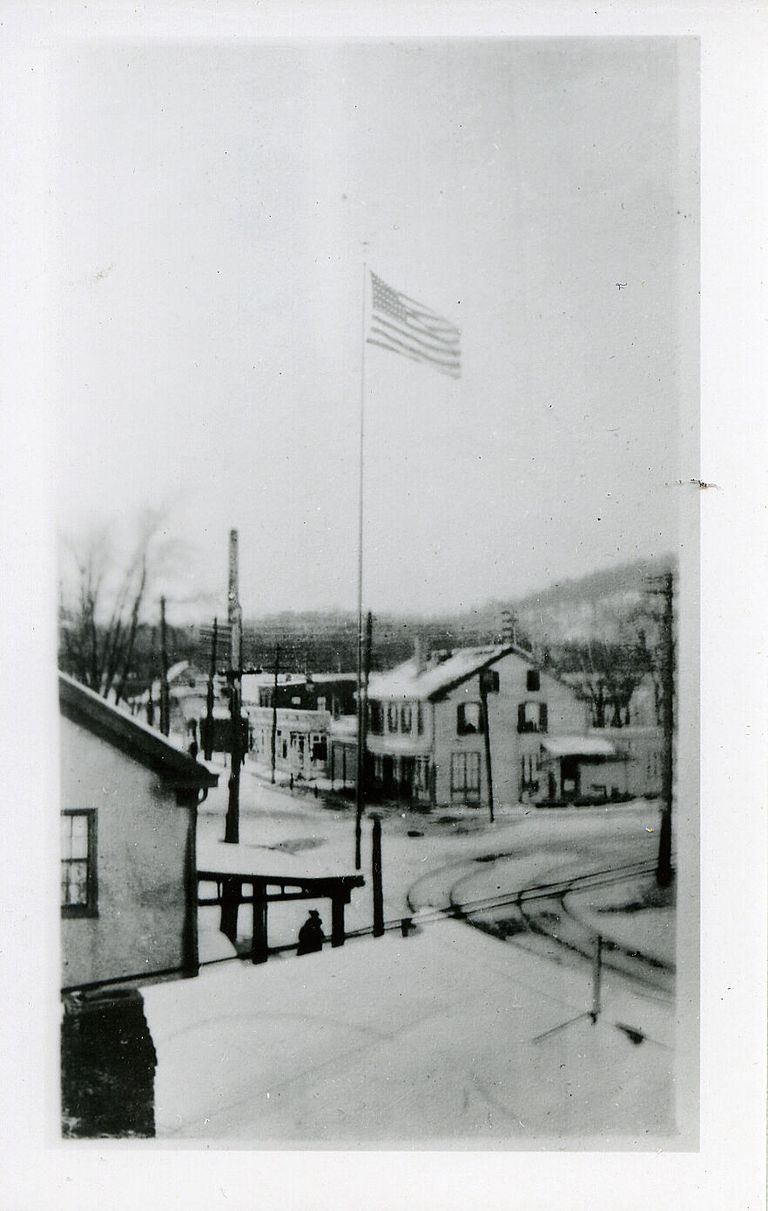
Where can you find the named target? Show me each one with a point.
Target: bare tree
(608, 665)
(100, 626)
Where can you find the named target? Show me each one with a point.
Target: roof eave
(178, 770)
(445, 690)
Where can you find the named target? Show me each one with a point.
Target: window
(489, 681)
(530, 771)
(392, 717)
(465, 777)
(421, 776)
(532, 717)
(406, 718)
(532, 680)
(375, 718)
(469, 718)
(78, 862)
(419, 718)
(321, 704)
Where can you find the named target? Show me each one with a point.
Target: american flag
(402, 325)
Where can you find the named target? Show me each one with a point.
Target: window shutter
(521, 717)
(543, 717)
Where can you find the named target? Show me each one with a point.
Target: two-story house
(426, 727)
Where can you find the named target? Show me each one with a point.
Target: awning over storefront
(587, 747)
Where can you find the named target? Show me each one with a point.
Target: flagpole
(361, 706)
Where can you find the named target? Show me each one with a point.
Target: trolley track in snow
(537, 917)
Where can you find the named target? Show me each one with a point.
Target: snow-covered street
(447, 1034)
(426, 857)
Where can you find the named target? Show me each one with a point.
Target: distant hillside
(606, 610)
(577, 609)
(570, 611)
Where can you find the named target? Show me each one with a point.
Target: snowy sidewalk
(408, 1042)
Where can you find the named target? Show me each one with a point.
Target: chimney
(418, 654)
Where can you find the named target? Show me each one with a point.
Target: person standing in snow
(311, 936)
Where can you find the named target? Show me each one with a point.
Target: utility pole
(664, 873)
(376, 878)
(487, 675)
(210, 693)
(274, 710)
(150, 700)
(362, 727)
(508, 627)
(232, 827)
(165, 705)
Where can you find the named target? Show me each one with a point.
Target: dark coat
(311, 936)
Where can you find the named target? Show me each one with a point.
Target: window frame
(462, 728)
(91, 906)
(532, 681)
(541, 726)
(461, 760)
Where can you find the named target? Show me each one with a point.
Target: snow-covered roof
(407, 680)
(323, 678)
(579, 746)
(133, 737)
(268, 679)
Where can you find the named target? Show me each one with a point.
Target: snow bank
(407, 1042)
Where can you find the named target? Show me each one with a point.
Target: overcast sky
(216, 207)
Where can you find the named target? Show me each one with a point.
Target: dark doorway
(406, 777)
(569, 778)
(387, 774)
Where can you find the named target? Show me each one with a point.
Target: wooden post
(337, 919)
(364, 669)
(376, 875)
(597, 966)
(230, 902)
(274, 710)
(259, 944)
(232, 827)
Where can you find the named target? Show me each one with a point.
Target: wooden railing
(234, 889)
